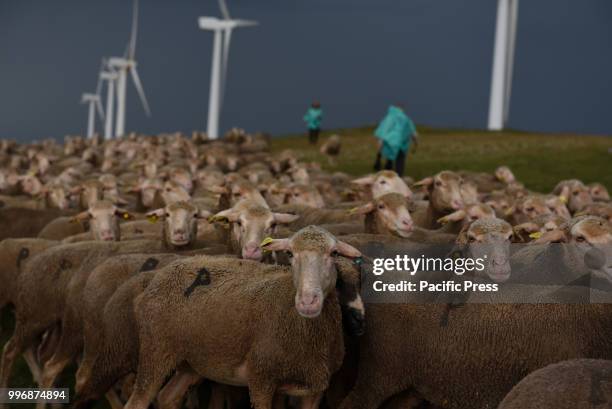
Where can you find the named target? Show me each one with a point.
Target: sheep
(43, 288)
(603, 210)
(585, 252)
(489, 238)
(17, 222)
(103, 218)
(180, 227)
(574, 193)
(572, 384)
(474, 360)
(598, 192)
(268, 355)
(306, 195)
(100, 286)
(63, 227)
(385, 181)
(456, 221)
(445, 196)
(331, 148)
(528, 208)
(250, 223)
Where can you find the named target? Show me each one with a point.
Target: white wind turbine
(123, 65)
(503, 63)
(95, 104)
(218, 73)
(110, 76)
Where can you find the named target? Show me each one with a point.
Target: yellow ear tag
(536, 235)
(126, 216)
(266, 241)
(563, 199)
(353, 210)
(442, 220)
(509, 212)
(153, 218)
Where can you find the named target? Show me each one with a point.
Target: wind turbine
(218, 74)
(123, 66)
(503, 63)
(110, 76)
(94, 102)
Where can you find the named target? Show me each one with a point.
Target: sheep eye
(239, 223)
(335, 253)
(381, 207)
(580, 239)
(438, 183)
(167, 215)
(382, 182)
(289, 254)
(472, 239)
(529, 209)
(575, 193)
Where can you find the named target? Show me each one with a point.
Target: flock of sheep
(178, 271)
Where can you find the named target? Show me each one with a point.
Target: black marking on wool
(23, 254)
(203, 278)
(149, 264)
(447, 310)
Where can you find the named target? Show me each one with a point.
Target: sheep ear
(453, 217)
(154, 215)
(122, 213)
(462, 238)
(270, 244)
(364, 209)
(217, 189)
(366, 180)
(285, 218)
(552, 236)
(81, 217)
(347, 250)
(203, 214)
(230, 215)
(425, 182)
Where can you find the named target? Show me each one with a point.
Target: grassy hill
(538, 160)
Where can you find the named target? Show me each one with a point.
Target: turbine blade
(141, 93)
(224, 11)
(99, 108)
(134, 34)
(99, 86)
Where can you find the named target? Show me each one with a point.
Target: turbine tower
(93, 100)
(110, 77)
(503, 63)
(222, 29)
(122, 66)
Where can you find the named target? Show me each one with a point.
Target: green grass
(538, 160)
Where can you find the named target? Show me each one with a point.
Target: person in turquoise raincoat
(395, 134)
(313, 119)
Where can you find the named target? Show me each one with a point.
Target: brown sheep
(18, 222)
(385, 181)
(573, 384)
(99, 288)
(250, 223)
(445, 196)
(269, 355)
(180, 223)
(474, 361)
(43, 289)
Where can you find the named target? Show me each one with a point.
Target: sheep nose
(309, 299)
(456, 204)
(252, 251)
(407, 222)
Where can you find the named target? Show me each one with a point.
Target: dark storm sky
(355, 56)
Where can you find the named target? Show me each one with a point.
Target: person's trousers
(398, 164)
(313, 136)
